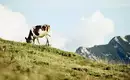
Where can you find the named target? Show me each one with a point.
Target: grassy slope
(21, 61)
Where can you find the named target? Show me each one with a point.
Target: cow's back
(36, 29)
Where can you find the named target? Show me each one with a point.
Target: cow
(38, 31)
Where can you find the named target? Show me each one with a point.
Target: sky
(73, 23)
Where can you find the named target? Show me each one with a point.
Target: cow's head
(28, 40)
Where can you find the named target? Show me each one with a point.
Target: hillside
(22, 61)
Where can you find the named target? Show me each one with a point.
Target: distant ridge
(117, 50)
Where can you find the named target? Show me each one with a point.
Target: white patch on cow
(42, 33)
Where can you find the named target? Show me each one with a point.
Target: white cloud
(13, 26)
(92, 31)
(96, 28)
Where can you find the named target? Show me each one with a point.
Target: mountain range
(116, 51)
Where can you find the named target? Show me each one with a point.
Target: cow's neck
(30, 35)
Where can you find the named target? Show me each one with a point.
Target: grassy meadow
(22, 61)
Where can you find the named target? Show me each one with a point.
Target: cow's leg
(47, 41)
(34, 40)
(38, 41)
(48, 35)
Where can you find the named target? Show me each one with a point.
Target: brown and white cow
(38, 31)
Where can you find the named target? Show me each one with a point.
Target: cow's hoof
(48, 44)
